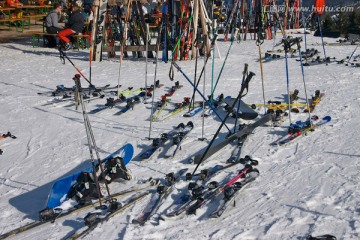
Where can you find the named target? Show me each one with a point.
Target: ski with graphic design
(215, 189)
(315, 100)
(193, 112)
(231, 191)
(163, 191)
(197, 190)
(178, 138)
(158, 143)
(300, 128)
(165, 99)
(178, 108)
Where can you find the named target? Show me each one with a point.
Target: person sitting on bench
(52, 24)
(75, 25)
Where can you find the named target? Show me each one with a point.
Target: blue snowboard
(61, 187)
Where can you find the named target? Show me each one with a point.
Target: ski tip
(327, 118)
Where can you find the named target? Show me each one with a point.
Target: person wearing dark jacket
(52, 24)
(75, 25)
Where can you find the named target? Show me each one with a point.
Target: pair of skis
(197, 190)
(301, 128)
(162, 192)
(201, 196)
(58, 213)
(111, 102)
(177, 135)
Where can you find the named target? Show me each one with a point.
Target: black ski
(246, 130)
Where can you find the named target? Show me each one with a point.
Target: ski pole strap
(259, 40)
(171, 72)
(62, 55)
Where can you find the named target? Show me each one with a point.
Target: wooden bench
(82, 40)
(36, 17)
(20, 23)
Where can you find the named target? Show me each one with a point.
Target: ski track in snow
(307, 187)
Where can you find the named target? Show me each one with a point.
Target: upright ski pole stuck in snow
(259, 42)
(303, 77)
(123, 43)
(146, 56)
(155, 75)
(196, 46)
(223, 65)
(203, 103)
(287, 45)
(322, 39)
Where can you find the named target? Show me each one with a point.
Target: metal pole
(155, 74)
(203, 103)
(287, 84)
(146, 56)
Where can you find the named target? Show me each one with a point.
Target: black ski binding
(213, 185)
(160, 189)
(48, 214)
(90, 219)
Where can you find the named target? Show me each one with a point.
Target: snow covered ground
(307, 187)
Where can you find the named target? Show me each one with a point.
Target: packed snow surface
(310, 186)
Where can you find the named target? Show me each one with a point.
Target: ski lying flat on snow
(178, 138)
(291, 137)
(75, 209)
(226, 202)
(213, 193)
(110, 214)
(158, 198)
(187, 199)
(158, 143)
(246, 130)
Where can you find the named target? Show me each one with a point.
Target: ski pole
(146, 56)
(223, 65)
(155, 74)
(303, 77)
(198, 91)
(202, 70)
(240, 95)
(258, 43)
(322, 39)
(77, 69)
(203, 103)
(245, 73)
(196, 46)
(351, 55)
(90, 145)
